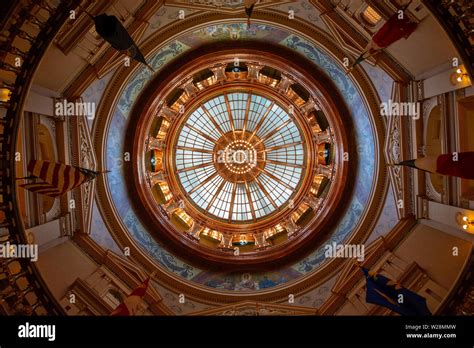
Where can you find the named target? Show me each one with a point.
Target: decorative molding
(340, 30)
(227, 6)
(54, 212)
(253, 308)
(428, 106)
(75, 30)
(83, 156)
(422, 207)
(88, 298)
(102, 64)
(420, 90)
(127, 271)
(394, 153)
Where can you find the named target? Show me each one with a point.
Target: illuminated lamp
(4, 95)
(465, 222)
(459, 76)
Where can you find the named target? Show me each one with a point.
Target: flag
(459, 164)
(397, 27)
(387, 293)
(393, 30)
(130, 305)
(249, 6)
(112, 31)
(57, 178)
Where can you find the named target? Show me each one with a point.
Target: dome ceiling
(240, 156)
(200, 152)
(239, 181)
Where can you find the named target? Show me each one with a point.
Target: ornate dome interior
(245, 164)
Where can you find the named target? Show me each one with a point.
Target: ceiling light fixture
(4, 94)
(465, 222)
(459, 76)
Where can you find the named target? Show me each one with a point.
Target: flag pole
(26, 177)
(361, 58)
(149, 67)
(126, 52)
(249, 7)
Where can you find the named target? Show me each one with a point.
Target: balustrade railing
(24, 39)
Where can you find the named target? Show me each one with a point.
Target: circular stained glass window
(239, 157)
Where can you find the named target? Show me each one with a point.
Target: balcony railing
(462, 298)
(24, 39)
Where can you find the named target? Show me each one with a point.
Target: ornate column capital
(285, 83)
(253, 70)
(226, 241)
(153, 143)
(291, 227)
(154, 178)
(219, 72)
(307, 107)
(189, 87)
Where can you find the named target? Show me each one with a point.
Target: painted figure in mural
(266, 283)
(187, 271)
(247, 283)
(228, 284)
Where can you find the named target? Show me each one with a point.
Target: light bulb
(465, 227)
(459, 71)
(464, 218)
(459, 79)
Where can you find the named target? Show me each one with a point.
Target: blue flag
(385, 292)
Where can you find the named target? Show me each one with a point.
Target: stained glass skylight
(239, 157)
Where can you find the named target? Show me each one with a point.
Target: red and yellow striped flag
(57, 178)
(130, 305)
